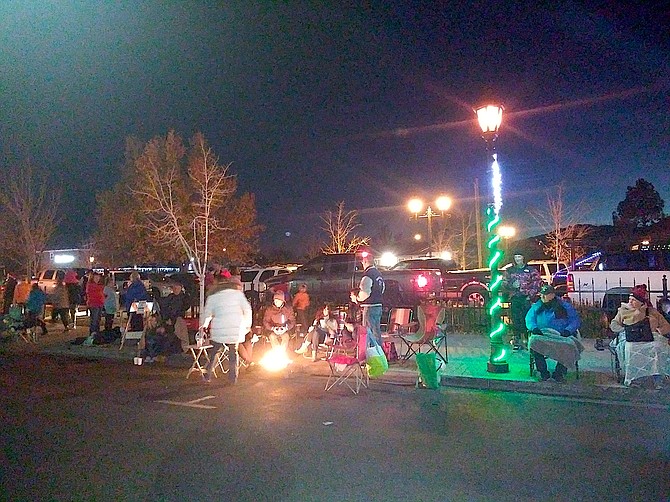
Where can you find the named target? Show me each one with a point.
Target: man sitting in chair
(553, 324)
(279, 321)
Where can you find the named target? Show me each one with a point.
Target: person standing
(300, 304)
(35, 307)
(370, 294)
(8, 297)
(95, 301)
(111, 305)
(228, 315)
(73, 290)
(22, 291)
(136, 292)
(60, 302)
(522, 283)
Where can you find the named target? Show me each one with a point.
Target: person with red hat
(640, 345)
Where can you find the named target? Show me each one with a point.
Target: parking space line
(191, 404)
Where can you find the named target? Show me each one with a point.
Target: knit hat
(639, 292)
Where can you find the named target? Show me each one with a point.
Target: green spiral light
(498, 351)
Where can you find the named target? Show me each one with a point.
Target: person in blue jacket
(553, 313)
(136, 291)
(35, 307)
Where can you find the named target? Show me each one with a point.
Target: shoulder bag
(640, 331)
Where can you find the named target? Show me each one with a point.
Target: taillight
(570, 283)
(422, 281)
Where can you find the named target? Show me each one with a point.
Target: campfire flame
(275, 360)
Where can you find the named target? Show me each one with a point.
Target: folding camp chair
(400, 320)
(143, 310)
(430, 333)
(347, 362)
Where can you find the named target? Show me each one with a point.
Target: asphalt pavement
(467, 367)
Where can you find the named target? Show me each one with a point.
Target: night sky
(369, 104)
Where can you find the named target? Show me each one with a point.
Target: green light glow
(501, 357)
(494, 241)
(498, 353)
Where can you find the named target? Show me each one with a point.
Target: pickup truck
(620, 270)
(331, 277)
(467, 286)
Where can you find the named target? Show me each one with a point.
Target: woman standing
(60, 302)
(111, 304)
(640, 345)
(95, 300)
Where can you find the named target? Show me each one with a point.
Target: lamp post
(415, 206)
(490, 118)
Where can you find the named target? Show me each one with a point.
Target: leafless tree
(560, 223)
(32, 207)
(340, 226)
(183, 201)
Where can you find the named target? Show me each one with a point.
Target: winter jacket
(22, 291)
(111, 301)
(523, 281)
(59, 298)
(556, 314)
(95, 294)
(274, 316)
(36, 301)
(230, 312)
(627, 315)
(301, 300)
(135, 292)
(174, 306)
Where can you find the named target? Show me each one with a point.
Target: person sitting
(354, 315)
(154, 341)
(553, 323)
(322, 329)
(278, 321)
(22, 291)
(173, 310)
(648, 354)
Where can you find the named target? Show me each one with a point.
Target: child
(35, 306)
(300, 304)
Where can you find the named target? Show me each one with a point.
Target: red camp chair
(430, 333)
(347, 362)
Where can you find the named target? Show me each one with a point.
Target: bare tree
(183, 201)
(340, 226)
(464, 237)
(32, 205)
(560, 223)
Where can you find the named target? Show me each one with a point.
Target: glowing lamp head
(489, 118)
(415, 206)
(443, 203)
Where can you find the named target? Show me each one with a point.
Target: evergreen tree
(642, 206)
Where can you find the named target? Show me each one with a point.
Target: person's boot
(303, 347)
(314, 356)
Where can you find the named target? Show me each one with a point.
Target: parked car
(253, 279)
(46, 279)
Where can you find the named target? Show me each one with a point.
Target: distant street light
(490, 119)
(416, 205)
(506, 232)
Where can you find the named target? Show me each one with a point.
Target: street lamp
(416, 205)
(506, 232)
(490, 118)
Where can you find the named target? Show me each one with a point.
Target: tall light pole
(490, 118)
(415, 206)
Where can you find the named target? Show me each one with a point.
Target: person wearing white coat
(228, 314)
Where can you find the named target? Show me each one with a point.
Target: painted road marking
(192, 404)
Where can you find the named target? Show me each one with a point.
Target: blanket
(642, 359)
(564, 349)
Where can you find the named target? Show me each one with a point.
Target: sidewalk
(467, 354)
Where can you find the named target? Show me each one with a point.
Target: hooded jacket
(230, 312)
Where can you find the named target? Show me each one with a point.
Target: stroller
(15, 325)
